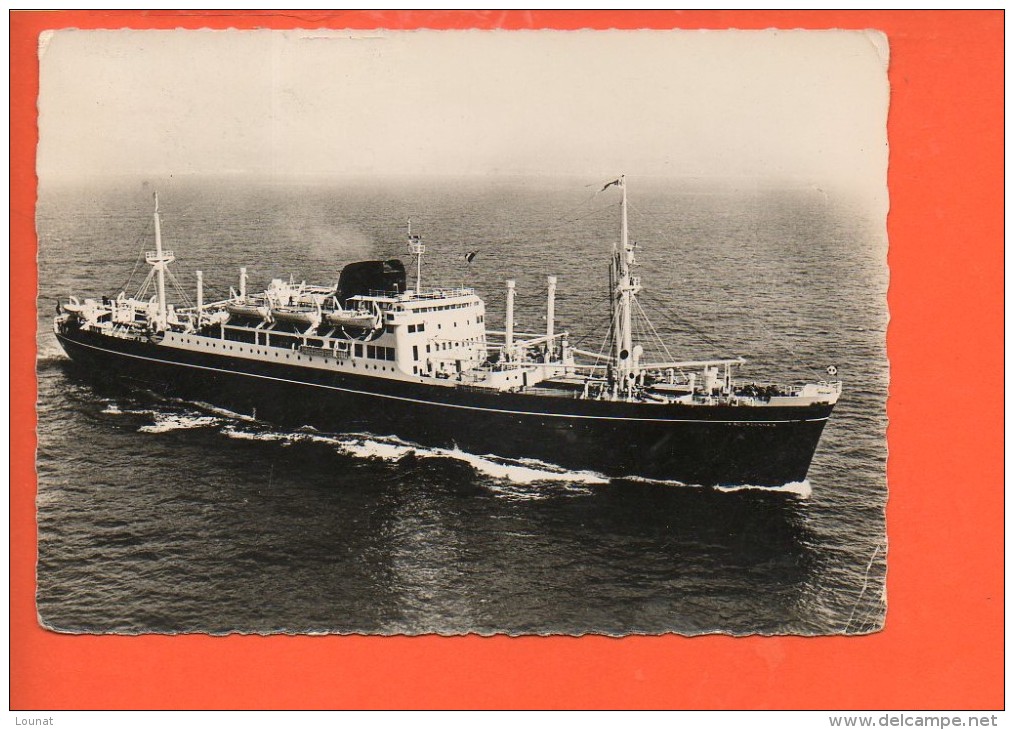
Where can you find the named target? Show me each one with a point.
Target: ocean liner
(373, 354)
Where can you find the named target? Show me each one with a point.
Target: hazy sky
(796, 104)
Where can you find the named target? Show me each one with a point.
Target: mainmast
(159, 259)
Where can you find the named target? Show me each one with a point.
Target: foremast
(624, 286)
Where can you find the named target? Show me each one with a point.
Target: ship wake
(392, 449)
(516, 478)
(179, 415)
(48, 353)
(801, 489)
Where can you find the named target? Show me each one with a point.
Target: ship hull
(708, 445)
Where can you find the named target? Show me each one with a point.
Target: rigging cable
(658, 337)
(678, 321)
(588, 334)
(607, 342)
(179, 289)
(132, 271)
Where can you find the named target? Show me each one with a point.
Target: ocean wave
(234, 433)
(392, 449)
(45, 359)
(801, 489)
(217, 410)
(516, 471)
(536, 490)
(48, 350)
(165, 422)
(656, 482)
(522, 471)
(114, 409)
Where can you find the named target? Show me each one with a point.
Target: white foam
(521, 471)
(658, 482)
(48, 357)
(217, 410)
(801, 489)
(113, 409)
(518, 471)
(176, 422)
(368, 448)
(392, 449)
(253, 436)
(522, 492)
(49, 350)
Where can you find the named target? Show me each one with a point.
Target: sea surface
(168, 516)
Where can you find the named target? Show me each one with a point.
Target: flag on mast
(614, 182)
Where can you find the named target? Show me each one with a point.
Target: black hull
(716, 445)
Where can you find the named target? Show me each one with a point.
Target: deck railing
(428, 294)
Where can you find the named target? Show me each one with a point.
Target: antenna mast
(417, 248)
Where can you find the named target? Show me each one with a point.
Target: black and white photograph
(462, 332)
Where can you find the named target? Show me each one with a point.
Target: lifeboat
(242, 309)
(352, 318)
(668, 392)
(73, 306)
(296, 315)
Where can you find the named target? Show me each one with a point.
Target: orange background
(943, 645)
